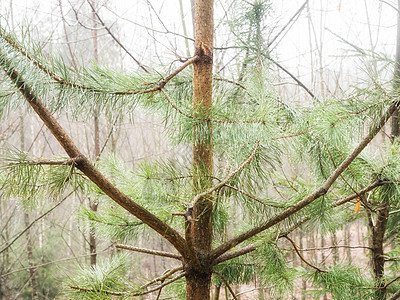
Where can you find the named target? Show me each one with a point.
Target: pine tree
(190, 204)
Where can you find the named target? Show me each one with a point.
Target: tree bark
(93, 205)
(199, 229)
(379, 229)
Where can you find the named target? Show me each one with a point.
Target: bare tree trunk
(93, 204)
(199, 230)
(217, 292)
(29, 247)
(29, 250)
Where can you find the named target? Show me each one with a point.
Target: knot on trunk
(204, 53)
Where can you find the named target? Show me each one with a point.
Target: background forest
(280, 182)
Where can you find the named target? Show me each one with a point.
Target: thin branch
(287, 24)
(395, 296)
(167, 31)
(113, 293)
(291, 135)
(33, 222)
(394, 212)
(223, 182)
(302, 258)
(322, 190)
(115, 38)
(230, 81)
(226, 284)
(162, 278)
(372, 186)
(156, 87)
(234, 254)
(333, 247)
(391, 5)
(174, 106)
(149, 251)
(293, 77)
(390, 282)
(160, 286)
(44, 162)
(84, 165)
(248, 195)
(52, 262)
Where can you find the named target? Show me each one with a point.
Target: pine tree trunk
(29, 250)
(378, 231)
(199, 229)
(378, 260)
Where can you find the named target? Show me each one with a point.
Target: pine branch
(162, 278)
(83, 163)
(395, 296)
(156, 86)
(234, 254)
(113, 293)
(363, 191)
(249, 196)
(149, 251)
(322, 190)
(230, 81)
(160, 286)
(226, 284)
(230, 176)
(390, 282)
(333, 247)
(44, 162)
(174, 106)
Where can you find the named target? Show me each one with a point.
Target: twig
(149, 251)
(293, 77)
(236, 253)
(334, 246)
(174, 106)
(161, 278)
(223, 182)
(115, 38)
(291, 135)
(161, 286)
(230, 81)
(390, 282)
(302, 258)
(287, 24)
(372, 186)
(33, 222)
(98, 291)
(226, 284)
(247, 195)
(395, 296)
(52, 262)
(44, 162)
(391, 5)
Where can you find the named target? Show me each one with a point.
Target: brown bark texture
(199, 269)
